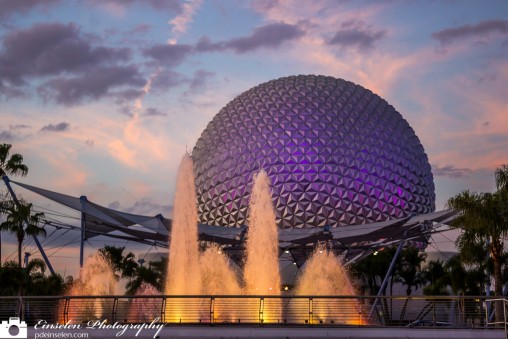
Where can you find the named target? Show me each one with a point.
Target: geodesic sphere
(336, 154)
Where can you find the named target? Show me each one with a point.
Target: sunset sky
(103, 97)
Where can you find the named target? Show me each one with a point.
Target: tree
(484, 216)
(12, 165)
(372, 269)
(123, 265)
(410, 273)
(12, 278)
(31, 279)
(371, 272)
(149, 275)
(21, 221)
(438, 278)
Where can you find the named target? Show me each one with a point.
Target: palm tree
(437, 277)
(501, 174)
(484, 216)
(31, 279)
(22, 222)
(41, 284)
(410, 273)
(149, 275)
(11, 165)
(12, 277)
(371, 271)
(122, 265)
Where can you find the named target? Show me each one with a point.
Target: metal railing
(497, 306)
(414, 311)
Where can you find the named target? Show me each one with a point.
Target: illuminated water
(210, 273)
(96, 278)
(261, 272)
(145, 309)
(192, 274)
(184, 276)
(324, 275)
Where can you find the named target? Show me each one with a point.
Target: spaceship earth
(336, 154)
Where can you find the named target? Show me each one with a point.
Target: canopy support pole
(387, 276)
(83, 201)
(39, 246)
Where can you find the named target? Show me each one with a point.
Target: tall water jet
(261, 270)
(183, 270)
(324, 275)
(184, 276)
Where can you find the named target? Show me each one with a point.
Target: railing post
(504, 309)
(311, 311)
(261, 306)
(163, 310)
(66, 310)
(212, 310)
(21, 313)
(113, 311)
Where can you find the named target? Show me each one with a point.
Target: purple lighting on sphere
(336, 154)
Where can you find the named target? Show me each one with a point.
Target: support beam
(387, 276)
(39, 246)
(83, 200)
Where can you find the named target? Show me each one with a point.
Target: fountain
(184, 276)
(96, 278)
(209, 273)
(143, 309)
(261, 270)
(324, 275)
(193, 276)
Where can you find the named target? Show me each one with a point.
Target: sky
(103, 97)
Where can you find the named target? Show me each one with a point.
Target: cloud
(22, 7)
(144, 206)
(13, 131)
(170, 55)
(167, 79)
(51, 49)
(153, 112)
(60, 127)
(179, 23)
(94, 84)
(450, 171)
(481, 30)
(200, 79)
(263, 6)
(141, 29)
(90, 143)
(118, 7)
(130, 111)
(76, 68)
(6, 135)
(268, 36)
(356, 35)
